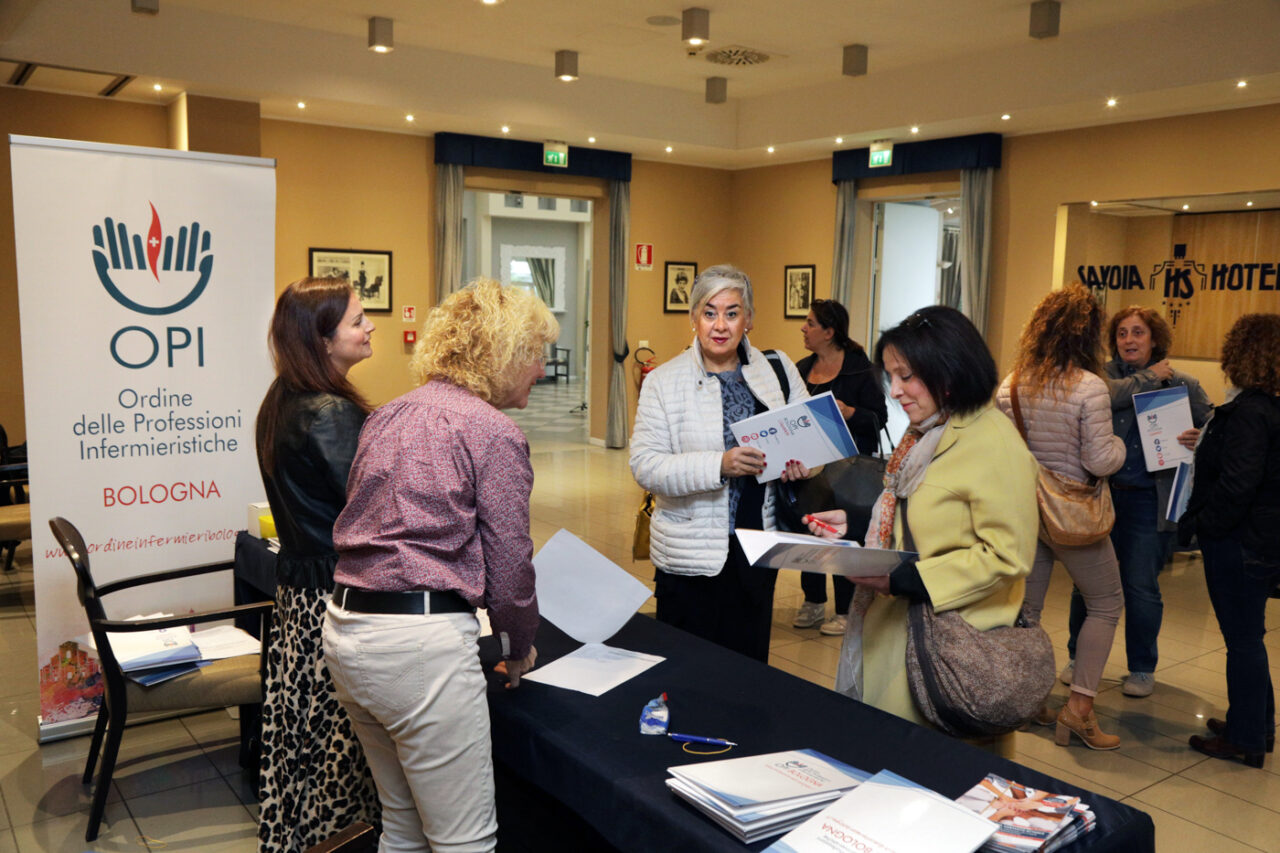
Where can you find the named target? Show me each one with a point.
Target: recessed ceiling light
(1111, 102)
(408, 117)
(1093, 204)
(506, 129)
(156, 86)
(1005, 117)
(669, 149)
(915, 129)
(1186, 207)
(839, 140)
(1248, 204)
(951, 210)
(770, 149)
(1240, 84)
(491, 2)
(591, 139)
(302, 105)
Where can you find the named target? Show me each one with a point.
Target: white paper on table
(889, 814)
(582, 592)
(224, 641)
(773, 550)
(594, 668)
(1162, 415)
(811, 431)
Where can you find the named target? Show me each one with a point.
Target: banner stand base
(51, 732)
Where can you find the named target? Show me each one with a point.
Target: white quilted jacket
(1069, 432)
(676, 450)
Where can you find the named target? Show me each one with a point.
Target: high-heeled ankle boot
(1086, 728)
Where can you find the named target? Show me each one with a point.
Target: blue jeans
(1239, 597)
(1141, 551)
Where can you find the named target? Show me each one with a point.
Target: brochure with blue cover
(811, 431)
(1161, 416)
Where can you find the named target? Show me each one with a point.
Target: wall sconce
(380, 35)
(567, 65)
(695, 26)
(717, 90)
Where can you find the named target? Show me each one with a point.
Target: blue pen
(714, 741)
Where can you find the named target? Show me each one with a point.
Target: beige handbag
(640, 543)
(1071, 513)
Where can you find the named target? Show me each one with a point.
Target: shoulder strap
(1017, 410)
(775, 361)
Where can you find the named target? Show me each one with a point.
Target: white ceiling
(948, 66)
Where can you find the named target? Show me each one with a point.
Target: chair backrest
(73, 545)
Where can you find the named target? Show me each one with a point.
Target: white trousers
(415, 693)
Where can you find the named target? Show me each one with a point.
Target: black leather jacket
(314, 445)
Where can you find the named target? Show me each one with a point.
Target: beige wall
(356, 189)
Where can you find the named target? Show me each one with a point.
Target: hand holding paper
(810, 432)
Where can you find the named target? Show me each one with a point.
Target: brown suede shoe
(1085, 728)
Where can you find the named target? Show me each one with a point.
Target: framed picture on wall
(678, 286)
(797, 290)
(368, 271)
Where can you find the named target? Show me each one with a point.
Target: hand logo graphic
(116, 251)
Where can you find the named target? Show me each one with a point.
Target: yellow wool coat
(974, 520)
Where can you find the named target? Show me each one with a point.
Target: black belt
(417, 602)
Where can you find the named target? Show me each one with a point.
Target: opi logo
(131, 268)
(1152, 418)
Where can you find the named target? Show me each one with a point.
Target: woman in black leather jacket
(1235, 512)
(314, 778)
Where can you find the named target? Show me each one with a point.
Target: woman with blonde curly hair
(436, 525)
(1235, 511)
(1060, 403)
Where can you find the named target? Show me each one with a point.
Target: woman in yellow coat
(960, 491)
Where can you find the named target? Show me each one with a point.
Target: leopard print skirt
(314, 778)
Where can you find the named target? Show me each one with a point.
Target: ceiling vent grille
(736, 54)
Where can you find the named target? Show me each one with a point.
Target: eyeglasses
(917, 320)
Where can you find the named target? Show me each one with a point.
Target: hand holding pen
(829, 524)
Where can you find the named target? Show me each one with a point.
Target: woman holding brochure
(975, 535)
(1140, 341)
(1235, 512)
(1056, 392)
(684, 451)
(839, 365)
(437, 524)
(315, 781)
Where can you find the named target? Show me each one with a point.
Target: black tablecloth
(573, 772)
(588, 754)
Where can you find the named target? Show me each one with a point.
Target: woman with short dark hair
(974, 533)
(1235, 512)
(314, 778)
(839, 365)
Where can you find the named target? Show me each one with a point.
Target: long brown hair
(1063, 334)
(306, 316)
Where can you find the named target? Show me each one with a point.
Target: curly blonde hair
(1063, 334)
(1251, 353)
(480, 334)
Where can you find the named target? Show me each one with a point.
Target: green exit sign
(881, 154)
(555, 154)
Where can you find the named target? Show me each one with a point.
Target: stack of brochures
(763, 795)
(888, 814)
(1028, 819)
(151, 657)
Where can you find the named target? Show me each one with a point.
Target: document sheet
(812, 431)
(1162, 415)
(773, 550)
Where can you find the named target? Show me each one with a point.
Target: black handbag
(853, 485)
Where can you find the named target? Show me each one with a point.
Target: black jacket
(1237, 475)
(314, 445)
(857, 385)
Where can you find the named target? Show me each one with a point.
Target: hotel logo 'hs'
(1180, 278)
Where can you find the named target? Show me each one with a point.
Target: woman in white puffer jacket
(1066, 408)
(683, 451)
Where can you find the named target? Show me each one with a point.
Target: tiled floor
(178, 787)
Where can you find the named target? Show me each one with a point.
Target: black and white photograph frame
(677, 285)
(369, 273)
(797, 290)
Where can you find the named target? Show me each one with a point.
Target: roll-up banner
(145, 288)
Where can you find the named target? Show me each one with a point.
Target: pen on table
(822, 524)
(715, 741)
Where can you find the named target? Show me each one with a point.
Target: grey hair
(714, 279)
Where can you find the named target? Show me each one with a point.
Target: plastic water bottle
(655, 716)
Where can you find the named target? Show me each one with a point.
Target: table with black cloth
(574, 773)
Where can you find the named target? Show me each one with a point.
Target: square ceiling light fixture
(717, 90)
(145, 7)
(1044, 18)
(567, 65)
(855, 60)
(695, 29)
(380, 40)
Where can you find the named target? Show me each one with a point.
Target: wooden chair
(360, 837)
(15, 511)
(233, 681)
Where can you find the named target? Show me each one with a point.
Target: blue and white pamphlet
(1162, 415)
(888, 814)
(811, 431)
(1181, 493)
